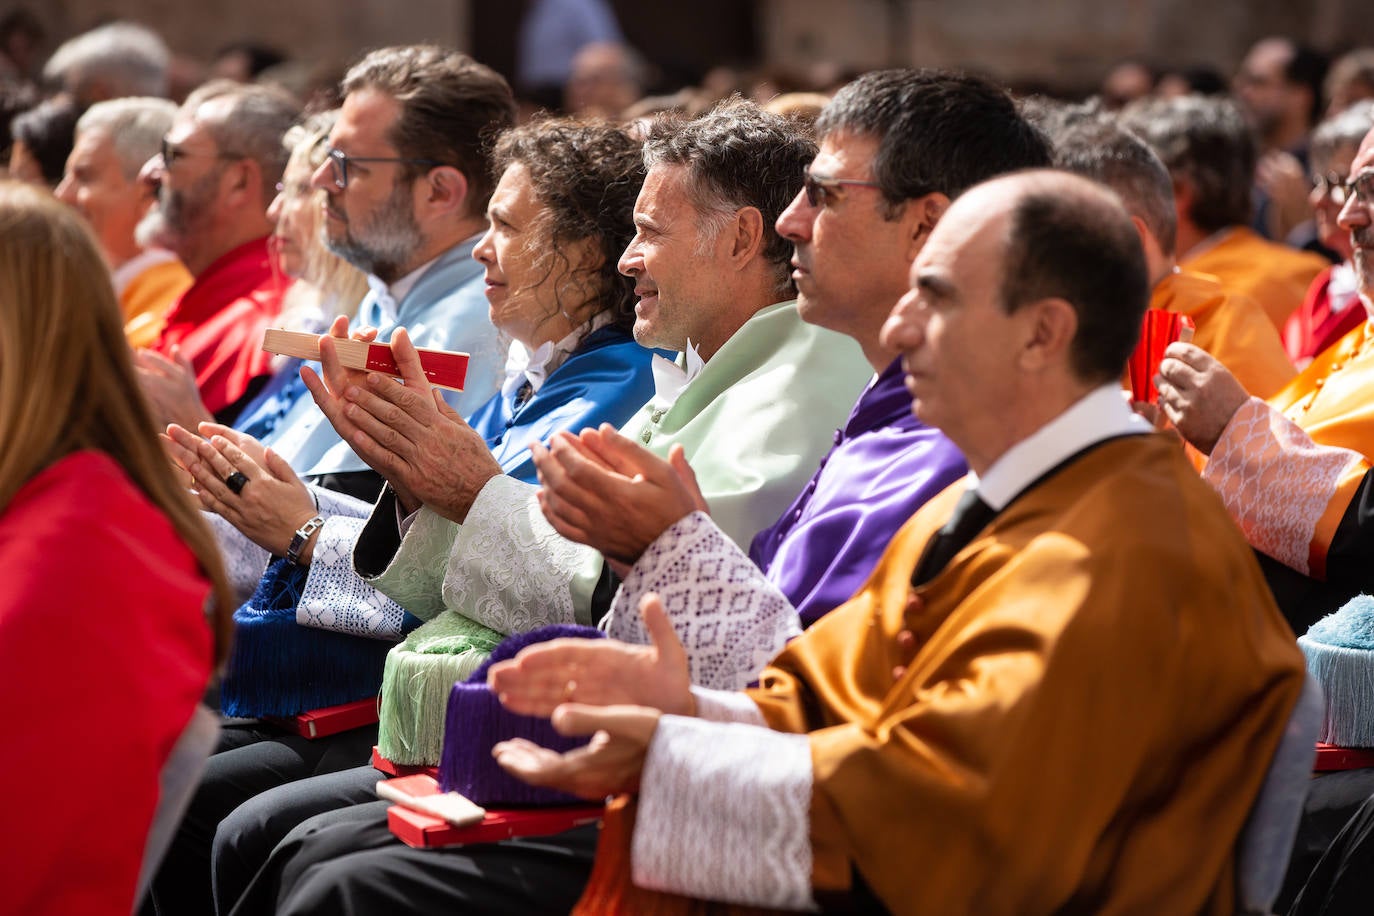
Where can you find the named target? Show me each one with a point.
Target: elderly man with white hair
(113, 140)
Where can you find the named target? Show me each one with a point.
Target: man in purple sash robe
(896, 147)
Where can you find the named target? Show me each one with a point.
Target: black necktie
(971, 515)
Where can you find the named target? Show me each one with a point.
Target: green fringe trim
(416, 682)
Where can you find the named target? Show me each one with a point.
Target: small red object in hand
(1157, 331)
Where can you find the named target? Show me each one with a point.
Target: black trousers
(1332, 799)
(347, 862)
(248, 760)
(1342, 884)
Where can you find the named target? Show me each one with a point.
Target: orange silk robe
(1230, 326)
(1099, 683)
(147, 298)
(1276, 276)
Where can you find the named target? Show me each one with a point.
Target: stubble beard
(177, 216)
(387, 243)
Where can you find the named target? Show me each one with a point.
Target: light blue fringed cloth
(1340, 655)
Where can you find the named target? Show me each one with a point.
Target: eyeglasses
(171, 153)
(339, 160)
(1339, 189)
(817, 188)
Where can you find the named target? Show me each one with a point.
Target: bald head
(1027, 295)
(1068, 238)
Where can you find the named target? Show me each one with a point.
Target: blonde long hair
(329, 285)
(66, 377)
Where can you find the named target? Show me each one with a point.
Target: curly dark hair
(587, 175)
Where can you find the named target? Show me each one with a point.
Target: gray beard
(1363, 261)
(151, 231)
(387, 244)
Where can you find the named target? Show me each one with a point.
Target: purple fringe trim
(476, 721)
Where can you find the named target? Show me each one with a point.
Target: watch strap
(302, 535)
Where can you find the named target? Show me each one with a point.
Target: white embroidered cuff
(332, 502)
(244, 561)
(1275, 481)
(724, 814)
(413, 577)
(334, 598)
(730, 618)
(726, 706)
(510, 570)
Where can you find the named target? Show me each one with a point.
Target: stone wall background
(1063, 43)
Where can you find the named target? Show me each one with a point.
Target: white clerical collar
(389, 296)
(670, 379)
(535, 366)
(1101, 414)
(124, 274)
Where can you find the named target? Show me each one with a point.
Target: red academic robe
(105, 652)
(218, 323)
(1315, 325)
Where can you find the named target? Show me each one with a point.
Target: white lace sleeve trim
(730, 618)
(510, 570)
(335, 598)
(244, 561)
(331, 502)
(414, 576)
(1275, 481)
(724, 814)
(726, 706)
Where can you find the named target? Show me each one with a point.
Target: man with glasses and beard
(407, 180)
(212, 182)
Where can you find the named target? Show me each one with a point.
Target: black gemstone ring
(236, 481)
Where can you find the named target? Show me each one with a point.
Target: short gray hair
(135, 127)
(127, 58)
(1096, 148)
(737, 155)
(1206, 142)
(1345, 129)
(257, 119)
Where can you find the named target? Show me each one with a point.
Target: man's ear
(444, 191)
(747, 236)
(241, 185)
(1050, 327)
(919, 217)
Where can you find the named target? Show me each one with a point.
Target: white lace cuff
(730, 618)
(726, 706)
(244, 561)
(331, 502)
(509, 570)
(334, 598)
(1275, 481)
(724, 814)
(414, 576)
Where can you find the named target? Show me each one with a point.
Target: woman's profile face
(296, 212)
(526, 289)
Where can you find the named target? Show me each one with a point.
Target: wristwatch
(303, 533)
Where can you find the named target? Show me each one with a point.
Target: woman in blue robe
(314, 635)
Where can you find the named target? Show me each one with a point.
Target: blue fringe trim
(279, 668)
